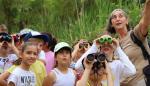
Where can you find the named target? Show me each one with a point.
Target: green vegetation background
(67, 20)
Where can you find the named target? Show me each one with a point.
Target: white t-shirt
(22, 77)
(6, 62)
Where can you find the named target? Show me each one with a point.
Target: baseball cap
(35, 34)
(24, 32)
(61, 45)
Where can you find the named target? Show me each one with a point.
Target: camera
(84, 44)
(99, 60)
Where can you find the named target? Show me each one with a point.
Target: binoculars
(98, 59)
(16, 38)
(105, 39)
(6, 38)
(84, 44)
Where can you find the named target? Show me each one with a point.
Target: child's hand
(12, 43)
(1, 43)
(88, 65)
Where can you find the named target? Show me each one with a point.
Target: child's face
(63, 57)
(4, 48)
(37, 42)
(29, 55)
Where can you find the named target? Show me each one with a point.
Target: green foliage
(68, 20)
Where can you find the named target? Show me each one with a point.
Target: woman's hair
(109, 27)
(26, 44)
(52, 42)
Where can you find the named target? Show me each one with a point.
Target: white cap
(60, 46)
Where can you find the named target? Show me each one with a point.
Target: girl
(7, 59)
(120, 68)
(22, 76)
(62, 75)
(48, 48)
(101, 77)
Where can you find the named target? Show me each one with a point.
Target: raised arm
(85, 77)
(145, 21)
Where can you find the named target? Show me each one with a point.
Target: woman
(118, 24)
(120, 68)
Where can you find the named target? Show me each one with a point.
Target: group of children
(38, 63)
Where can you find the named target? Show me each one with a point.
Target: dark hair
(18, 61)
(109, 27)
(52, 42)
(64, 48)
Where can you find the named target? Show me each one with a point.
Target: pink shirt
(49, 61)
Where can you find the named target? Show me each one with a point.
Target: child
(6, 59)
(38, 39)
(22, 76)
(96, 75)
(62, 75)
(48, 48)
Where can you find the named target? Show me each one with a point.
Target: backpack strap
(140, 44)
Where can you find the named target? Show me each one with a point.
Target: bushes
(66, 20)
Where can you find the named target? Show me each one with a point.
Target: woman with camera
(120, 66)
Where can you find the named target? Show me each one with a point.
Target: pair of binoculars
(105, 39)
(98, 59)
(16, 38)
(82, 45)
(6, 38)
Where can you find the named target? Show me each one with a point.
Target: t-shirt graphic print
(22, 77)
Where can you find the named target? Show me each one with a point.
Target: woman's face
(119, 20)
(63, 57)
